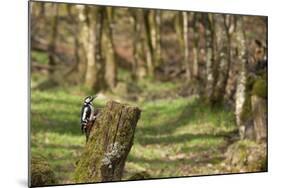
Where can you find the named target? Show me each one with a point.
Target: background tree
(182, 27)
(241, 81)
(88, 39)
(229, 22)
(108, 47)
(53, 39)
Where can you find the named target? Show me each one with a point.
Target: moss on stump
(140, 176)
(260, 88)
(41, 171)
(247, 156)
(254, 110)
(110, 141)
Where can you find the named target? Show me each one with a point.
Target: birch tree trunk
(241, 80)
(222, 67)
(87, 35)
(210, 56)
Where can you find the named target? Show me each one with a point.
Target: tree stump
(41, 172)
(110, 141)
(260, 117)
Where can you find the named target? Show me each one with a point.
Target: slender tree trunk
(185, 45)
(241, 80)
(181, 27)
(53, 40)
(150, 42)
(43, 9)
(108, 48)
(179, 31)
(229, 26)
(199, 34)
(88, 41)
(99, 55)
(194, 31)
(210, 56)
(137, 43)
(77, 48)
(158, 58)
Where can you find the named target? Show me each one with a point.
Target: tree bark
(87, 37)
(181, 28)
(260, 117)
(110, 141)
(222, 66)
(74, 70)
(240, 96)
(185, 44)
(53, 39)
(229, 23)
(108, 48)
(99, 55)
(137, 43)
(158, 59)
(194, 31)
(210, 56)
(150, 42)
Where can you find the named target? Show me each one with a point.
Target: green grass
(55, 129)
(177, 136)
(174, 137)
(40, 57)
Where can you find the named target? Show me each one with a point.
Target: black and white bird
(87, 112)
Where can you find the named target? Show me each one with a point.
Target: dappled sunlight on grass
(55, 129)
(174, 137)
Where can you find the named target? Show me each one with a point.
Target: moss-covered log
(41, 172)
(246, 156)
(110, 141)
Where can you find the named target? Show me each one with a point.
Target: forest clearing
(199, 80)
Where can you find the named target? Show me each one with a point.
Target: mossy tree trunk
(110, 141)
(41, 173)
(259, 108)
(260, 117)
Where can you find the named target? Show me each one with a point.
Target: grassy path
(174, 137)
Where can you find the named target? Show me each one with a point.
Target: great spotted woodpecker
(87, 112)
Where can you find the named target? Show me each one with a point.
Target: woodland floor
(175, 136)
